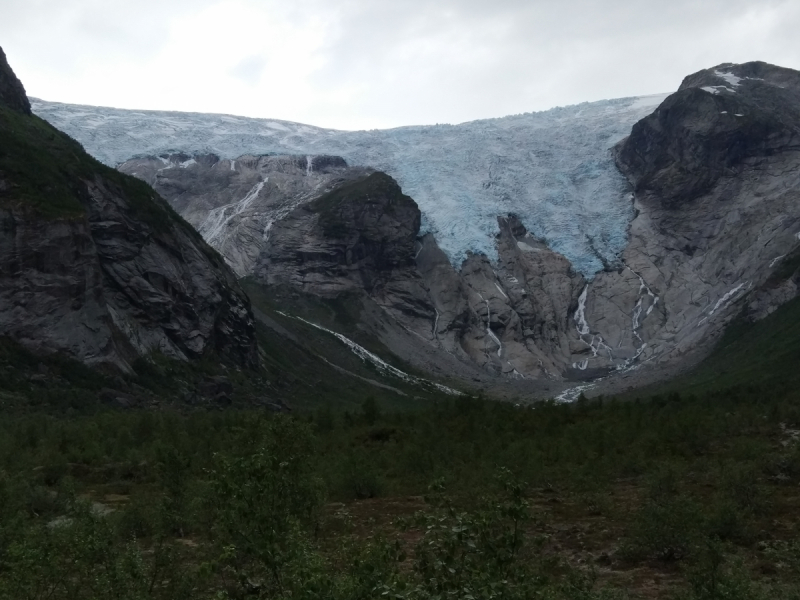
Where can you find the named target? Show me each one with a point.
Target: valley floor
(672, 497)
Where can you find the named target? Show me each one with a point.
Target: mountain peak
(730, 75)
(12, 92)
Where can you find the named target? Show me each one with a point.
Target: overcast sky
(357, 64)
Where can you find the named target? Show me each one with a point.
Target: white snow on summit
(553, 169)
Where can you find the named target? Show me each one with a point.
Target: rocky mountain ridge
(94, 264)
(712, 188)
(713, 175)
(234, 203)
(12, 92)
(553, 168)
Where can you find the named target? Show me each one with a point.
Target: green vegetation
(308, 381)
(765, 353)
(362, 491)
(678, 497)
(45, 171)
(42, 165)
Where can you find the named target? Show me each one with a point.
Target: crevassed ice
(553, 169)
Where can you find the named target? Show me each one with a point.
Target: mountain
(551, 168)
(693, 198)
(311, 224)
(233, 203)
(714, 173)
(95, 265)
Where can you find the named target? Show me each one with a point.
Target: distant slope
(551, 168)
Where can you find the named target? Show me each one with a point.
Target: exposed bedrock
(509, 318)
(164, 288)
(94, 264)
(12, 92)
(716, 176)
(234, 203)
(107, 288)
(715, 181)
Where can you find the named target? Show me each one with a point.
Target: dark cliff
(353, 237)
(12, 93)
(94, 264)
(720, 120)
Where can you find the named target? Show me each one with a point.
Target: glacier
(553, 169)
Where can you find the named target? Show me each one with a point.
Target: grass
(649, 499)
(765, 353)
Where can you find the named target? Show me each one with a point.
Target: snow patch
(526, 248)
(377, 361)
(726, 298)
(730, 78)
(774, 261)
(214, 224)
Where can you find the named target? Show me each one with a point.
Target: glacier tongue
(553, 169)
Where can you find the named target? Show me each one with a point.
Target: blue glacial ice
(553, 169)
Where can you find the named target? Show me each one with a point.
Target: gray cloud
(363, 63)
(249, 69)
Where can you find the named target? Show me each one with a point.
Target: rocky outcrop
(234, 203)
(359, 236)
(165, 289)
(51, 288)
(94, 264)
(714, 172)
(720, 123)
(12, 92)
(509, 318)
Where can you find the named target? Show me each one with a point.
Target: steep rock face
(234, 202)
(717, 195)
(509, 318)
(165, 290)
(51, 288)
(12, 92)
(94, 264)
(718, 122)
(353, 238)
